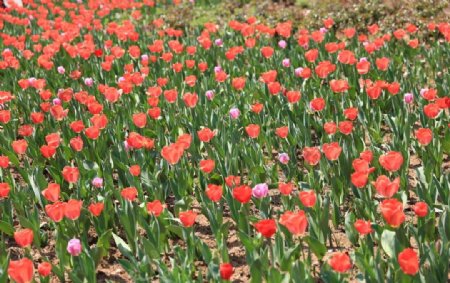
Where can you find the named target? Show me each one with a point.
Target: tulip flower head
(74, 247)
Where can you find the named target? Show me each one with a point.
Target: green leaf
(26, 223)
(388, 242)
(123, 247)
(103, 241)
(6, 228)
(90, 165)
(316, 246)
(37, 180)
(275, 275)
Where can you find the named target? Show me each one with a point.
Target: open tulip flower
(134, 149)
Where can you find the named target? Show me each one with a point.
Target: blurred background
(306, 13)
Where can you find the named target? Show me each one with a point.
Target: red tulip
(76, 143)
(282, 132)
(238, 83)
(431, 110)
(4, 190)
(339, 86)
(135, 170)
(382, 63)
(317, 104)
(92, 132)
(226, 271)
(207, 166)
(190, 99)
(55, 211)
(214, 192)
(267, 51)
(340, 262)
(45, 268)
(285, 188)
(24, 237)
(205, 134)
(266, 227)
(296, 222)
(351, 113)
(330, 128)
(185, 141)
(331, 150)
(243, 193)
(4, 161)
(346, 127)
(252, 131)
(53, 139)
(5, 116)
(391, 161)
(359, 178)
(293, 96)
(311, 155)
(366, 155)
(409, 261)
(392, 211)
(257, 107)
(72, 209)
(155, 207)
(129, 193)
(188, 218)
(21, 271)
(307, 198)
(70, 174)
(172, 153)
(47, 151)
(20, 146)
(363, 227)
(96, 208)
(231, 181)
(421, 209)
(424, 136)
(385, 187)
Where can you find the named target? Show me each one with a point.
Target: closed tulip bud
(209, 94)
(226, 271)
(97, 182)
(282, 44)
(74, 247)
(56, 101)
(45, 269)
(89, 82)
(234, 113)
(408, 98)
(283, 158)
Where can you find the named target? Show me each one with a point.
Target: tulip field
(133, 150)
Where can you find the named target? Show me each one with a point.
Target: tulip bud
(408, 98)
(283, 158)
(282, 44)
(234, 113)
(74, 247)
(97, 182)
